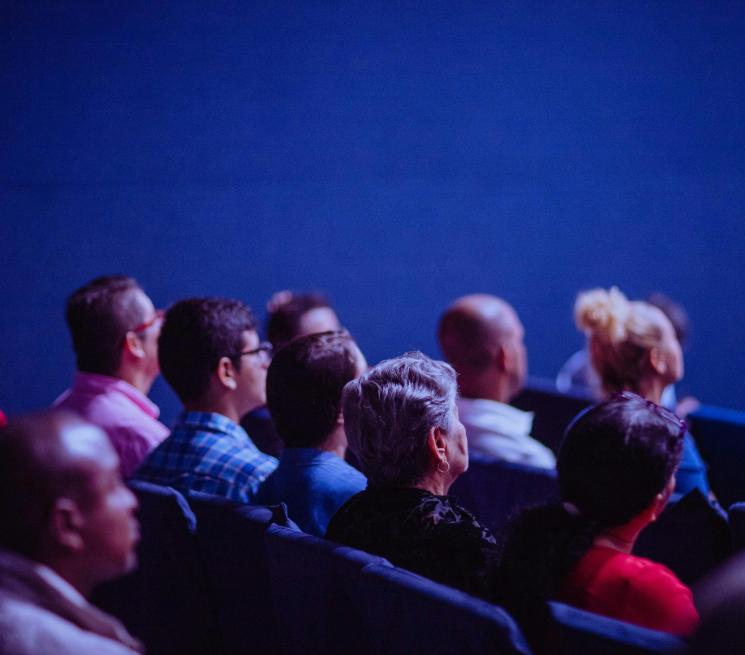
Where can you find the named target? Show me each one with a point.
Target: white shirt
(501, 431)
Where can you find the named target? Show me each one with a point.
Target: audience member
(578, 376)
(210, 354)
(616, 470)
(482, 338)
(68, 524)
(290, 315)
(114, 329)
(401, 419)
(304, 386)
(633, 347)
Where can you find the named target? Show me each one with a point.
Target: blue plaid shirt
(208, 452)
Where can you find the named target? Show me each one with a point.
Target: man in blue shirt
(210, 354)
(304, 386)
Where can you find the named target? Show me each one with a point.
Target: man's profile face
(109, 529)
(252, 374)
(149, 335)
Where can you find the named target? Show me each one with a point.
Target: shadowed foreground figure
(68, 524)
(616, 472)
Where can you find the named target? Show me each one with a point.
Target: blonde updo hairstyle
(621, 333)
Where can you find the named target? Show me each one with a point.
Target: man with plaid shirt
(210, 354)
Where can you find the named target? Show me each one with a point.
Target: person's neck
(220, 405)
(70, 573)
(488, 387)
(622, 538)
(137, 378)
(335, 443)
(435, 484)
(651, 389)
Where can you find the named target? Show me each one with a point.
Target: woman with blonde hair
(633, 347)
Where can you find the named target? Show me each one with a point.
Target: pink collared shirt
(128, 416)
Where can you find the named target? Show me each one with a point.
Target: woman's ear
(226, 373)
(662, 498)
(657, 361)
(437, 443)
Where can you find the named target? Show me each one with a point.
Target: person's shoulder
(26, 629)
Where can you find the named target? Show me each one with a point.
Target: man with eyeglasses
(210, 354)
(114, 328)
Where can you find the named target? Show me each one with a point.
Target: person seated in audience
(114, 328)
(303, 388)
(210, 354)
(68, 524)
(402, 422)
(482, 338)
(616, 471)
(577, 374)
(633, 347)
(290, 315)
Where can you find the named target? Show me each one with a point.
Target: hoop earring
(443, 466)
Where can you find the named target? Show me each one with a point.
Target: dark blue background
(394, 154)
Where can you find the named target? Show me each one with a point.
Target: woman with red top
(616, 470)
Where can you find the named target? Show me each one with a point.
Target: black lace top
(416, 530)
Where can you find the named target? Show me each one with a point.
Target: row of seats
(219, 578)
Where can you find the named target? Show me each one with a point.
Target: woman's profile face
(671, 352)
(457, 446)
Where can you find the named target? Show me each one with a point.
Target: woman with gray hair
(402, 424)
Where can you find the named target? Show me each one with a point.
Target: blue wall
(394, 154)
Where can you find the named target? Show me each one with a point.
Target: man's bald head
(481, 336)
(44, 457)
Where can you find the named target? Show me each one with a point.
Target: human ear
(65, 524)
(657, 361)
(437, 443)
(226, 373)
(133, 345)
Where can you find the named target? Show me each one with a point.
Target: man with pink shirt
(114, 328)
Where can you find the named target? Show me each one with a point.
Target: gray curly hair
(389, 412)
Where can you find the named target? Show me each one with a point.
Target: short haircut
(304, 385)
(196, 333)
(285, 314)
(389, 412)
(99, 314)
(34, 472)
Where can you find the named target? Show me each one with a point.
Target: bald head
(44, 457)
(481, 336)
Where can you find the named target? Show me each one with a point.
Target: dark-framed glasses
(265, 350)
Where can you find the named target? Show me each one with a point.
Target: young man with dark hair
(210, 354)
(68, 524)
(304, 386)
(114, 328)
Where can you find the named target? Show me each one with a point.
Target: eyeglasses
(265, 349)
(156, 318)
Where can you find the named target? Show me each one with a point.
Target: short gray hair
(389, 412)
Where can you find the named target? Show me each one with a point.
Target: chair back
(552, 410)
(720, 436)
(230, 538)
(576, 631)
(668, 540)
(315, 589)
(165, 602)
(494, 490)
(407, 614)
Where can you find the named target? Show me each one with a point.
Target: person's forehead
(250, 339)
(318, 319)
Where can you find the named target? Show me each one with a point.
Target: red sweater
(632, 589)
